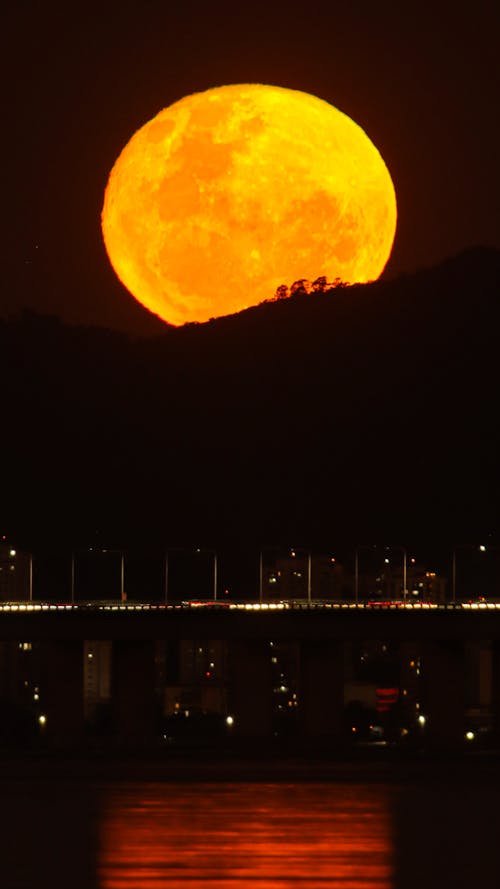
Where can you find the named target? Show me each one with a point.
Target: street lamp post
(405, 563)
(102, 551)
(261, 591)
(454, 575)
(356, 575)
(215, 575)
(123, 594)
(474, 546)
(309, 577)
(166, 577)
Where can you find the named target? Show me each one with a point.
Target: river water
(239, 835)
(429, 831)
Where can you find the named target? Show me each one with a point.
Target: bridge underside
(140, 697)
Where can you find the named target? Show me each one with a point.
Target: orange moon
(228, 193)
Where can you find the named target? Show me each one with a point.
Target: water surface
(239, 835)
(435, 826)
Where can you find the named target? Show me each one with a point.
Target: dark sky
(79, 79)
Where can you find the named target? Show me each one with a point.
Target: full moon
(229, 193)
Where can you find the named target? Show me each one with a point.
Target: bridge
(293, 620)
(320, 631)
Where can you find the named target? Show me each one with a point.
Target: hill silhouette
(367, 412)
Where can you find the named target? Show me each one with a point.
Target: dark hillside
(368, 412)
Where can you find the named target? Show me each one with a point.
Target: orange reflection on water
(236, 835)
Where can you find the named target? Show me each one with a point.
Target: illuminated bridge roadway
(438, 635)
(294, 620)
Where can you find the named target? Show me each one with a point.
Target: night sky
(79, 79)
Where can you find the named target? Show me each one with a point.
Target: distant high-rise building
(196, 678)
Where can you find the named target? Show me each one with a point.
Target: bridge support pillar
(443, 694)
(250, 688)
(61, 691)
(133, 702)
(322, 690)
(495, 689)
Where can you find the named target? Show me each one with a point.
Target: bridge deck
(225, 620)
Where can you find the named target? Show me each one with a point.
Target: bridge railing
(298, 605)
